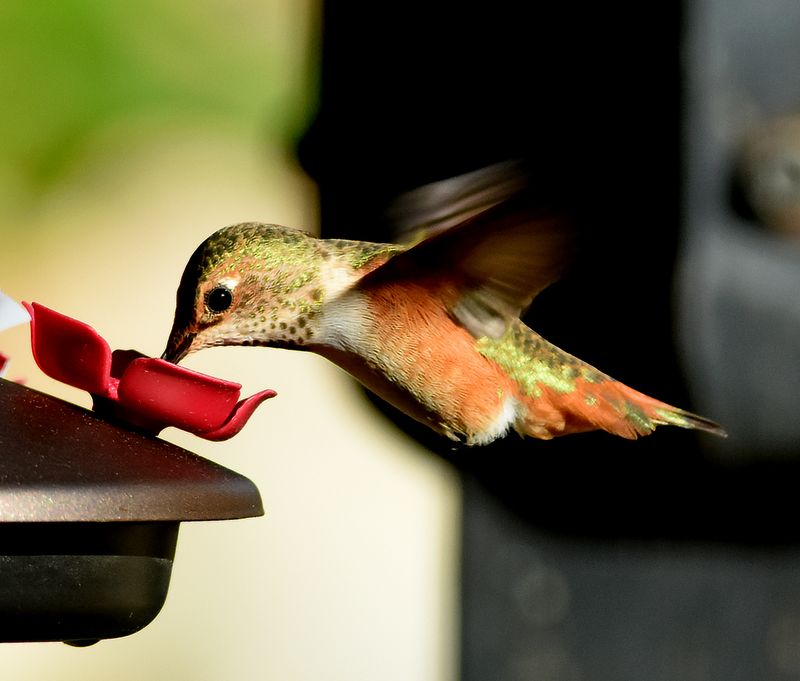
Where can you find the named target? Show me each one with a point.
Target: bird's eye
(219, 299)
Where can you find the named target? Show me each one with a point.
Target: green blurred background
(74, 69)
(130, 132)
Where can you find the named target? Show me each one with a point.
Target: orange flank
(410, 337)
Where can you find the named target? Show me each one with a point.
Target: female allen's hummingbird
(433, 328)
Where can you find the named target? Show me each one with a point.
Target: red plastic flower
(148, 393)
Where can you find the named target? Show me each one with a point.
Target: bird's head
(248, 284)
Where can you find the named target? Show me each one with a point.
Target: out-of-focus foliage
(73, 67)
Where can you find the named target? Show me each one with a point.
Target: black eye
(219, 299)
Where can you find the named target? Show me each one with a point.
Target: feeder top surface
(62, 463)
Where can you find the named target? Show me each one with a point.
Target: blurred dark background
(671, 557)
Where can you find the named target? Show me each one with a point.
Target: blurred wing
(435, 207)
(492, 245)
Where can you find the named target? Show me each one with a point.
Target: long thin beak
(178, 347)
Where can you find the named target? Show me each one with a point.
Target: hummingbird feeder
(91, 501)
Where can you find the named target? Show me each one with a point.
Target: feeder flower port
(144, 392)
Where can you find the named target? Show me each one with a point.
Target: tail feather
(561, 394)
(611, 406)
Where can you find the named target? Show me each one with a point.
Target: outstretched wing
(488, 239)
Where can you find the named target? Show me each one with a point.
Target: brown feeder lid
(62, 463)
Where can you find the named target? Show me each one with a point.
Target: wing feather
(491, 241)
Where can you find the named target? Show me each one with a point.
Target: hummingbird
(433, 326)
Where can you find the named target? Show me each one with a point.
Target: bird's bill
(178, 347)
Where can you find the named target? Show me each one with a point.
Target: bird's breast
(400, 341)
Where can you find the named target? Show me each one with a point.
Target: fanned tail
(560, 394)
(620, 410)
